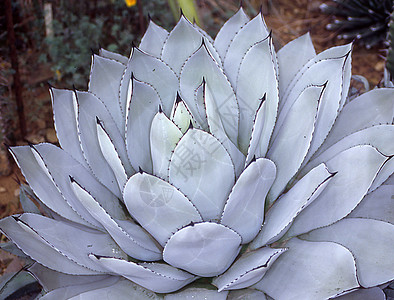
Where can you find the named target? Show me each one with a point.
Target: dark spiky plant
(364, 20)
(390, 56)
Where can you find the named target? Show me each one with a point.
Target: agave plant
(364, 20)
(213, 169)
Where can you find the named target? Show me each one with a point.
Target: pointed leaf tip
(262, 100)
(160, 109)
(203, 42)
(140, 170)
(178, 98)
(191, 125)
(71, 179)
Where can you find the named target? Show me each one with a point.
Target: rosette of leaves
(364, 20)
(213, 169)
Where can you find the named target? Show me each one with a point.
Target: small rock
(2, 189)
(51, 135)
(379, 66)
(17, 192)
(35, 139)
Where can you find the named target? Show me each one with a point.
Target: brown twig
(17, 86)
(141, 17)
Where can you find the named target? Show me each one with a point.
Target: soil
(288, 20)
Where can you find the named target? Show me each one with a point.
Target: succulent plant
(213, 169)
(364, 20)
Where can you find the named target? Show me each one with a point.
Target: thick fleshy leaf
(131, 238)
(248, 269)
(376, 136)
(246, 294)
(158, 206)
(345, 191)
(330, 102)
(51, 280)
(349, 120)
(257, 76)
(208, 40)
(189, 38)
(144, 104)
(205, 249)
(89, 109)
(370, 242)
(292, 57)
(111, 155)
(153, 40)
(159, 278)
(64, 104)
(378, 205)
(257, 148)
(289, 206)
(202, 169)
(199, 101)
(164, 136)
(364, 294)
(104, 81)
(310, 270)
(112, 55)
(319, 71)
(58, 245)
(201, 65)
(228, 31)
(73, 290)
(181, 116)
(57, 181)
(42, 183)
(329, 54)
(61, 166)
(254, 31)
(197, 294)
(384, 173)
(155, 72)
(108, 289)
(294, 135)
(216, 128)
(244, 209)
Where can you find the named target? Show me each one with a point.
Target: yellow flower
(130, 3)
(58, 75)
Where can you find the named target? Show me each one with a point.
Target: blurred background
(51, 41)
